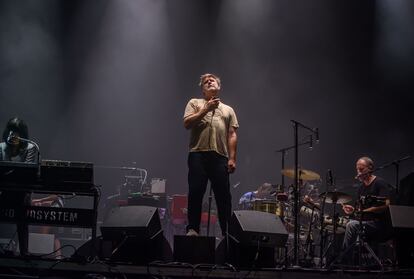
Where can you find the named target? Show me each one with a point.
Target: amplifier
(159, 201)
(69, 233)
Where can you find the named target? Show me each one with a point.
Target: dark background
(107, 82)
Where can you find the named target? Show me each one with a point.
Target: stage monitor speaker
(403, 224)
(258, 228)
(93, 249)
(131, 221)
(136, 235)
(402, 216)
(252, 238)
(406, 191)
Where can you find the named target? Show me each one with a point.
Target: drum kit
(312, 215)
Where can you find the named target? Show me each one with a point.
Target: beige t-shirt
(211, 133)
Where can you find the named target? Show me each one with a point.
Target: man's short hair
(207, 75)
(265, 187)
(369, 161)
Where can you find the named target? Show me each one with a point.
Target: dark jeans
(204, 166)
(373, 232)
(371, 228)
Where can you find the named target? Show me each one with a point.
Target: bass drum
(269, 206)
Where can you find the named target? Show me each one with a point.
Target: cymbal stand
(309, 251)
(330, 182)
(322, 232)
(284, 152)
(305, 248)
(332, 242)
(302, 250)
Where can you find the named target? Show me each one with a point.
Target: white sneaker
(192, 232)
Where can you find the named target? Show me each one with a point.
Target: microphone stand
(210, 198)
(322, 234)
(314, 131)
(284, 152)
(38, 154)
(395, 163)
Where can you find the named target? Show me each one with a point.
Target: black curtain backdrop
(107, 82)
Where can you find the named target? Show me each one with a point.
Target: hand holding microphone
(212, 104)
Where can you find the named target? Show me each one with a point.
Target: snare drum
(268, 206)
(282, 197)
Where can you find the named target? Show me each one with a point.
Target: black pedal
(194, 249)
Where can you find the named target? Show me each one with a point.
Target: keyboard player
(13, 149)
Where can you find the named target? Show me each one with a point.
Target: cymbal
(336, 197)
(303, 174)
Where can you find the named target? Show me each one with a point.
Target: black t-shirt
(379, 188)
(372, 195)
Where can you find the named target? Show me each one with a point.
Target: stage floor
(38, 268)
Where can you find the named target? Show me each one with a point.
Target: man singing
(212, 156)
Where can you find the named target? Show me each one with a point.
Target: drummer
(307, 185)
(264, 191)
(370, 186)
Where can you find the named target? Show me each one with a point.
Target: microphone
(310, 142)
(236, 185)
(317, 135)
(36, 147)
(363, 174)
(9, 137)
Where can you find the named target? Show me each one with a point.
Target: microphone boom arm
(38, 154)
